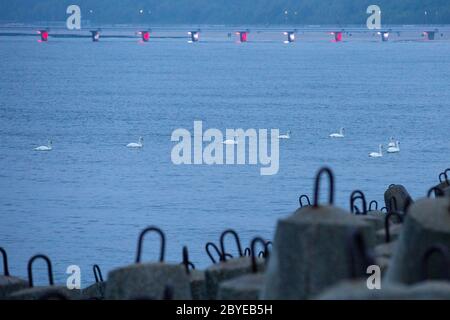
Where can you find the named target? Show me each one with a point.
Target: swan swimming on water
(377, 154)
(395, 148)
(139, 144)
(230, 141)
(285, 136)
(338, 135)
(48, 147)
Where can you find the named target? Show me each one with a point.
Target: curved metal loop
(408, 202)
(358, 194)
(5, 262)
(328, 172)
(300, 200)
(358, 252)
(393, 204)
(187, 264)
(30, 269)
(210, 244)
(222, 244)
(376, 205)
(438, 192)
(253, 246)
(247, 252)
(443, 251)
(141, 238)
(261, 254)
(387, 218)
(97, 273)
(229, 255)
(384, 209)
(445, 175)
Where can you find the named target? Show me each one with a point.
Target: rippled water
(86, 201)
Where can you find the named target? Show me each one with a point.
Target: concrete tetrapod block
(358, 290)
(395, 231)
(401, 196)
(427, 223)
(383, 254)
(148, 281)
(46, 293)
(9, 285)
(246, 287)
(197, 281)
(227, 270)
(95, 291)
(310, 252)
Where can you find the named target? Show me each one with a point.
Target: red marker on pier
(243, 35)
(44, 35)
(337, 36)
(145, 35)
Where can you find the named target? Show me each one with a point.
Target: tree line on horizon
(261, 12)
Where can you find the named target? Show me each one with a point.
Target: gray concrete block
(427, 223)
(357, 290)
(222, 271)
(246, 287)
(9, 285)
(310, 252)
(148, 280)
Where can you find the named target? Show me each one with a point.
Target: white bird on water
(48, 147)
(378, 154)
(139, 144)
(338, 135)
(395, 148)
(285, 136)
(392, 142)
(230, 141)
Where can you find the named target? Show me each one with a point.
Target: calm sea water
(86, 201)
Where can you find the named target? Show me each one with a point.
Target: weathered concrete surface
(395, 230)
(197, 282)
(230, 269)
(307, 244)
(357, 290)
(246, 287)
(386, 249)
(9, 284)
(95, 291)
(401, 195)
(427, 224)
(148, 280)
(46, 293)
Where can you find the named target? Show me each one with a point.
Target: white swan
(338, 135)
(139, 144)
(48, 147)
(395, 148)
(391, 143)
(377, 154)
(230, 141)
(285, 136)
